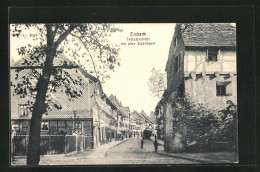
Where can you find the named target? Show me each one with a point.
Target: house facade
(147, 122)
(201, 67)
(136, 122)
(91, 114)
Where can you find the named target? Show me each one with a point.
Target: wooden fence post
(83, 144)
(65, 148)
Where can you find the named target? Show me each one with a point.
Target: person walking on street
(142, 143)
(155, 145)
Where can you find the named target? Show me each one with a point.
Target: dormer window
(23, 110)
(212, 54)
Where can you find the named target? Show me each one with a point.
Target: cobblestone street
(126, 152)
(130, 152)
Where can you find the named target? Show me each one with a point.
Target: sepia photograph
(123, 93)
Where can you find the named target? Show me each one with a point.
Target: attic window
(212, 54)
(23, 110)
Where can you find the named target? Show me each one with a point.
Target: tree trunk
(39, 108)
(33, 154)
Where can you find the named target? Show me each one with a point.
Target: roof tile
(209, 34)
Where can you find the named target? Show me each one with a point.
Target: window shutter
(229, 89)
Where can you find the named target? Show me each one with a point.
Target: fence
(70, 145)
(53, 144)
(19, 146)
(88, 144)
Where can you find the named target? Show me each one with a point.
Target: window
(23, 110)
(69, 127)
(45, 125)
(24, 125)
(224, 88)
(61, 126)
(212, 54)
(177, 63)
(221, 90)
(175, 42)
(15, 127)
(78, 126)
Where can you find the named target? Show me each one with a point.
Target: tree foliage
(157, 82)
(201, 128)
(87, 45)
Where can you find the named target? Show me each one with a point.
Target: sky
(129, 81)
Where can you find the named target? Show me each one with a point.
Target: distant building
(136, 124)
(147, 120)
(152, 117)
(123, 114)
(201, 66)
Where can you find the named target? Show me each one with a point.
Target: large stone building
(201, 67)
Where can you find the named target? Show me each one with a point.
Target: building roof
(145, 116)
(137, 116)
(60, 60)
(209, 34)
(123, 110)
(80, 105)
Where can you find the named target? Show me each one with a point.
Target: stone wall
(202, 90)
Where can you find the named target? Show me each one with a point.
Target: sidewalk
(63, 159)
(205, 158)
(99, 152)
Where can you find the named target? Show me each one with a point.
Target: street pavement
(130, 152)
(127, 151)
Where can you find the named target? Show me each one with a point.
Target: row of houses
(201, 68)
(93, 114)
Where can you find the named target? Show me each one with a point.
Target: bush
(203, 129)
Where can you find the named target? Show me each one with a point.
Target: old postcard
(123, 93)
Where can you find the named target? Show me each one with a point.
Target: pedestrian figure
(155, 145)
(142, 143)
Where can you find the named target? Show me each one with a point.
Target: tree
(157, 82)
(81, 41)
